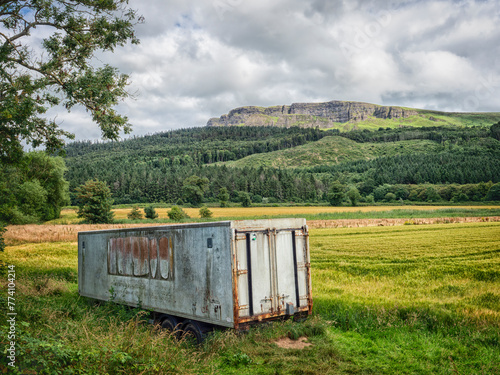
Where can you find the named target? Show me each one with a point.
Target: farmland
(401, 299)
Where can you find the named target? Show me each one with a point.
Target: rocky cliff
(322, 115)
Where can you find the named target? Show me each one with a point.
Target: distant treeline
(154, 168)
(198, 146)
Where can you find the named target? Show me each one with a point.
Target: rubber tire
(171, 324)
(192, 333)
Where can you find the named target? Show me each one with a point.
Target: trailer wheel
(171, 324)
(192, 333)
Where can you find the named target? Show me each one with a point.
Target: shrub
(390, 197)
(135, 214)
(257, 198)
(150, 212)
(176, 213)
(205, 212)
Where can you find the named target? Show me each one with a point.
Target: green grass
(387, 300)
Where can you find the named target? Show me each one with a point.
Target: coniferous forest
(425, 164)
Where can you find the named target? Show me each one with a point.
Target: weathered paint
(225, 273)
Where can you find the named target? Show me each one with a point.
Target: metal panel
(285, 270)
(303, 268)
(262, 278)
(166, 269)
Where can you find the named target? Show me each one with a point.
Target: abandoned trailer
(197, 277)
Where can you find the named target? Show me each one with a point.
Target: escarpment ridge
(322, 115)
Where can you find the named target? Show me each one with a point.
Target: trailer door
(271, 271)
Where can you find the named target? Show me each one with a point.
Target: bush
(176, 213)
(150, 212)
(205, 212)
(390, 197)
(135, 214)
(257, 198)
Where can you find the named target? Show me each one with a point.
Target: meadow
(406, 299)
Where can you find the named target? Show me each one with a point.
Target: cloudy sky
(201, 58)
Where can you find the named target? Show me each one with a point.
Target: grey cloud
(200, 59)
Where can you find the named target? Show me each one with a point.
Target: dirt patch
(288, 343)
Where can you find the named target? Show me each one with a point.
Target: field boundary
(353, 223)
(32, 233)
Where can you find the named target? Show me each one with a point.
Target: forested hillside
(294, 164)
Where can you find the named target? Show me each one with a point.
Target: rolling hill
(332, 150)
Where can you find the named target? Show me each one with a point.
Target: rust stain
(236, 310)
(153, 257)
(141, 257)
(113, 248)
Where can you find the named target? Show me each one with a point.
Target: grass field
(387, 300)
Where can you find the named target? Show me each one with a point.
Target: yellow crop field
(235, 212)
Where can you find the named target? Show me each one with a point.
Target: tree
(495, 131)
(33, 189)
(336, 194)
(135, 214)
(354, 196)
(32, 197)
(59, 72)
(194, 188)
(245, 199)
(223, 197)
(2, 241)
(494, 193)
(94, 202)
(150, 212)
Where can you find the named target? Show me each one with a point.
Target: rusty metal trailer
(203, 275)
